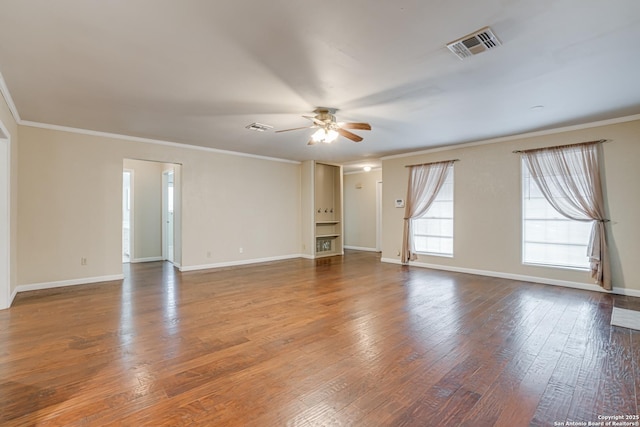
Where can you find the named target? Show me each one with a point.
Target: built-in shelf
(322, 199)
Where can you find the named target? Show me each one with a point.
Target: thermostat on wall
(399, 203)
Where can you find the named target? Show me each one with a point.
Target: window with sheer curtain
(550, 238)
(432, 233)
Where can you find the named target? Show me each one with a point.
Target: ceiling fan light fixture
(328, 129)
(325, 135)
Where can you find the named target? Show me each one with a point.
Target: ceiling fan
(328, 128)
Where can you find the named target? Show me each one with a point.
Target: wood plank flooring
(335, 341)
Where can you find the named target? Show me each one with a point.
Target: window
(433, 232)
(548, 237)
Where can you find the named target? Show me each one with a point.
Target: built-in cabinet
(322, 211)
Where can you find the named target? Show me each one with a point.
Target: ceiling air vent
(258, 127)
(474, 43)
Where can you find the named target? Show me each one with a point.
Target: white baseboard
(72, 282)
(149, 259)
(13, 296)
(306, 256)
(520, 277)
(239, 262)
(359, 248)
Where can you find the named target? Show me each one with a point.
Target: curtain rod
(432, 163)
(600, 141)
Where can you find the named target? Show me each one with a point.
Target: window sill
(561, 267)
(435, 254)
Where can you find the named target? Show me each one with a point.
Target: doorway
(127, 209)
(154, 214)
(379, 216)
(168, 235)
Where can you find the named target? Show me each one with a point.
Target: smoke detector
(474, 43)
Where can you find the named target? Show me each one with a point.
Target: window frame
(450, 176)
(523, 219)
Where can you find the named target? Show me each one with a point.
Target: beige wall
(70, 198)
(360, 209)
(488, 206)
(11, 127)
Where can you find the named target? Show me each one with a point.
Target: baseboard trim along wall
(185, 268)
(519, 277)
(13, 295)
(359, 248)
(63, 283)
(150, 259)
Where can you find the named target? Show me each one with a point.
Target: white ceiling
(199, 71)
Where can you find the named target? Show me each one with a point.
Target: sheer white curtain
(425, 181)
(569, 178)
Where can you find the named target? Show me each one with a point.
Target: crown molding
(16, 116)
(517, 136)
(9, 100)
(150, 141)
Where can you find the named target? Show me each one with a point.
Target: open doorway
(168, 215)
(127, 199)
(154, 202)
(378, 216)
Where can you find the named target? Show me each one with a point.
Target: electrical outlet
(398, 253)
(83, 261)
(208, 254)
(241, 250)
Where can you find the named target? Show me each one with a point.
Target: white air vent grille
(474, 43)
(258, 127)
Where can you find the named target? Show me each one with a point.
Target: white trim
(5, 281)
(9, 100)
(13, 296)
(239, 262)
(517, 136)
(131, 210)
(519, 277)
(164, 212)
(307, 256)
(151, 141)
(148, 259)
(379, 194)
(312, 211)
(359, 248)
(72, 282)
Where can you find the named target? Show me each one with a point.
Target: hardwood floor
(336, 341)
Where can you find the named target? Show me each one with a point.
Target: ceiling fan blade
(287, 130)
(349, 135)
(361, 126)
